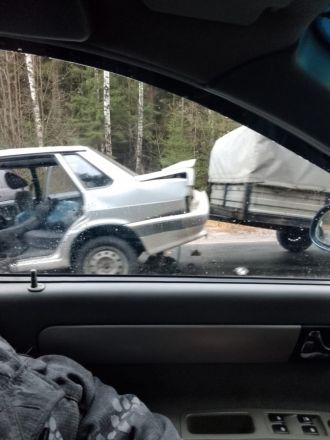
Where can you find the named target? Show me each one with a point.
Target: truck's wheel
(106, 256)
(294, 240)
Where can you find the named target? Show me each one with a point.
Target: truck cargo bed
(264, 206)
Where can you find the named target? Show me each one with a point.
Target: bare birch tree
(34, 99)
(139, 141)
(107, 113)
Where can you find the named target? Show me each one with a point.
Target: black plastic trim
(24, 314)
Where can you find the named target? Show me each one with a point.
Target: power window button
(305, 419)
(276, 418)
(280, 429)
(310, 430)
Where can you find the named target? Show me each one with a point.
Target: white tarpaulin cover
(244, 156)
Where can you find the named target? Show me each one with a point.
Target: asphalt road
(259, 259)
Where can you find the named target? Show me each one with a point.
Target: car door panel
(77, 301)
(130, 332)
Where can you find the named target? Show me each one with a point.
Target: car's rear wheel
(106, 256)
(294, 239)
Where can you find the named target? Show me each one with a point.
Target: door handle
(314, 347)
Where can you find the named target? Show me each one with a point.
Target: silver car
(78, 209)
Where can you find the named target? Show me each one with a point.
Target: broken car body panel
(162, 209)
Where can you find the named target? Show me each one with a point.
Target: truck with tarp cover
(256, 182)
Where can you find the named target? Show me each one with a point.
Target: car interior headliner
(234, 56)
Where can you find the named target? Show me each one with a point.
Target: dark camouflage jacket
(54, 398)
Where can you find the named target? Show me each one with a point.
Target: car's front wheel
(106, 256)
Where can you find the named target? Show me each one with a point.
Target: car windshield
(104, 175)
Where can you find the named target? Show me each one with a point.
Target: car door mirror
(320, 229)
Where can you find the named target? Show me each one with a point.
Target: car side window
(193, 193)
(90, 176)
(57, 181)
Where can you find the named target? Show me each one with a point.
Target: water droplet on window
(241, 271)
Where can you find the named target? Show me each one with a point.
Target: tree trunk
(34, 99)
(107, 113)
(138, 153)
